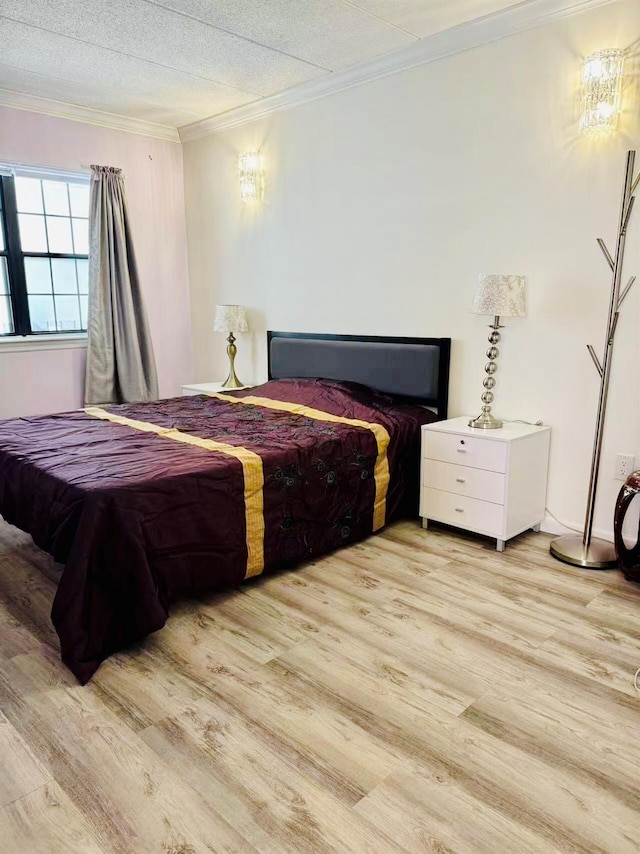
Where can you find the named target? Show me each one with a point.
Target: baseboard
(550, 526)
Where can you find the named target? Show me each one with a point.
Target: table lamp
(500, 296)
(231, 318)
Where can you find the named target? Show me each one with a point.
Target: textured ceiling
(178, 61)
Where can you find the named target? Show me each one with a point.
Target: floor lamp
(586, 551)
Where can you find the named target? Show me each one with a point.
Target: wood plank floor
(418, 692)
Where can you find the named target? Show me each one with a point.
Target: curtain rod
(15, 164)
(9, 167)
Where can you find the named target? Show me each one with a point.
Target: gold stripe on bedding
(251, 469)
(381, 471)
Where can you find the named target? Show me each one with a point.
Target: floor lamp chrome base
(599, 554)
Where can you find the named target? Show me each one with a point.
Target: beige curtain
(120, 362)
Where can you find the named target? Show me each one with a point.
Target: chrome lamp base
(485, 421)
(599, 554)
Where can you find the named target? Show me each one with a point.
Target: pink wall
(51, 380)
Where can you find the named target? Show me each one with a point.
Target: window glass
(4, 278)
(79, 197)
(56, 198)
(64, 276)
(38, 275)
(59, 234)
(44, 288)
(80, 236)
(33, 237)
(67, 313)
(82, 266)
(29, 195)
(84, 310)
(42, 313)
(6, 320)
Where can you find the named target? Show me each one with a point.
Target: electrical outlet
(624, 466)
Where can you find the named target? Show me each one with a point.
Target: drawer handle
(460, 480)
(459, 510)
(461, 450)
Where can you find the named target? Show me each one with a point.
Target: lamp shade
(502, 296)
(230, 318)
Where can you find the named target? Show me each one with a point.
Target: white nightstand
(206, 388)
(492, 482)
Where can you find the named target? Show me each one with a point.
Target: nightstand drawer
(462, 511)
(463, 480)
(464, 450)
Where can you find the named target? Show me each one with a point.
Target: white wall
(52, 380)
(384, 203)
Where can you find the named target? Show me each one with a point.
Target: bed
(146, 504)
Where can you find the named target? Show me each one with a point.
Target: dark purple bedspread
(182, 496)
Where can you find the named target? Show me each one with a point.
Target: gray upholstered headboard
(415, 369)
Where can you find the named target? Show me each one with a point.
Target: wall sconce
(601, 84)
(251, 176)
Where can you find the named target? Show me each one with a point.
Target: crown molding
(76, 113)
(516, 19)
(526, 15)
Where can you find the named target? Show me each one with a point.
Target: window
(44, 253)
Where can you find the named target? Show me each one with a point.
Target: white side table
(492, 482)
(206, 388)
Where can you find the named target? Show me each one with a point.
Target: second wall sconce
(251, 170)
(601, 87)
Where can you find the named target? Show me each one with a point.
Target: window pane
(81, 236)
(53, 219)
(83, 276)
(32, 234)
(4, 278)
(68, 313)
(28, 195)
(59, 231)
(79, 194)
(6, 320)
(64, 276)
(84, 309)
(56, 200)
(42, 315)
(38, 273)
